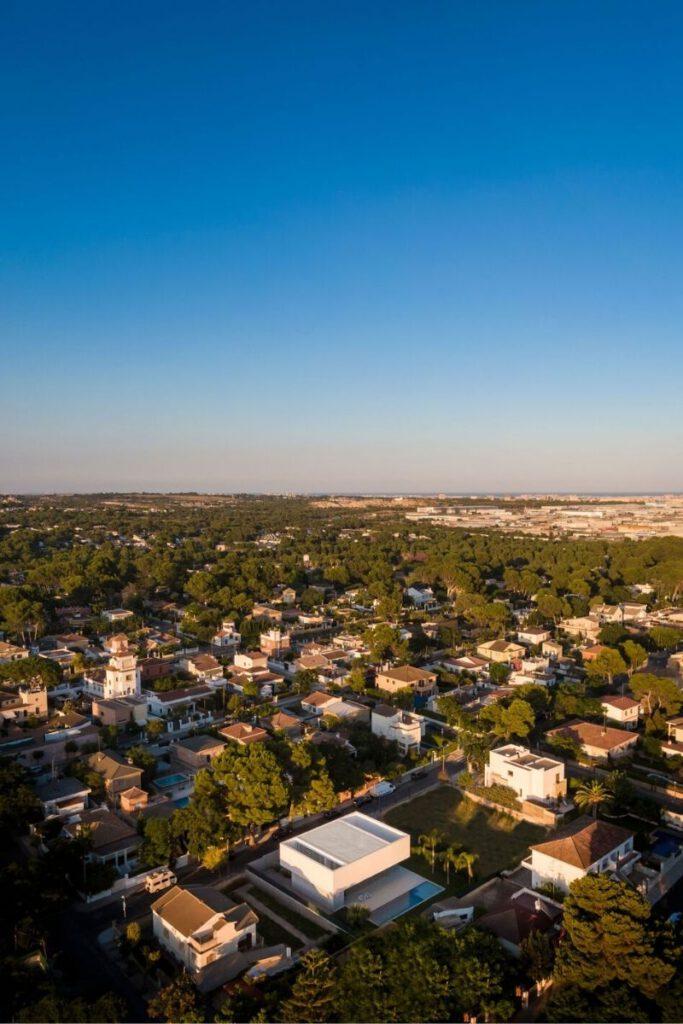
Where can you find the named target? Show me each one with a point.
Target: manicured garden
(497, 840)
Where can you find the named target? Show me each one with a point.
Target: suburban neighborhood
(247, 763)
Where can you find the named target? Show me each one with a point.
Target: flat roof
(347, 839)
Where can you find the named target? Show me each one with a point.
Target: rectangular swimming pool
(168, 781)
(419, 894)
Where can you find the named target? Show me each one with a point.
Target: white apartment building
(532, 777)
(398, 726)
(198, 925)
(329, 860)
(121, 676)
(585, 847)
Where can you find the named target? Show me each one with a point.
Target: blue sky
(341, 246)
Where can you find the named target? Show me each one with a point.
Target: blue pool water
(167, 781)
(666, 844)
(182, 802)
(420, 894)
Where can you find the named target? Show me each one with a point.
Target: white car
(159, 880)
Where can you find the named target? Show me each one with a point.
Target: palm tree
(428, 843)
(450, 858)
(466, 862)
(591, 794)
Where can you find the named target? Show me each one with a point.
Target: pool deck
(385, 888)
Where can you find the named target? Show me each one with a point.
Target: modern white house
(587, 846)
(398, 726)
(198, 925)
(121, 676)
(531, 776)
(328, 861)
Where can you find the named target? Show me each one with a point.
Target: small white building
(198, 925)
(422, 597)
(533, 635)
(587, 846)
(227, 638)
(531, 776)
(327, 861)
(623, 710)
(400, 727)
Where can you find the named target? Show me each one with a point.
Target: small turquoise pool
(420, 894)
(168, 781)
(182, 802)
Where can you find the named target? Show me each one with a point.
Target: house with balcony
(227, 639)
(183, 708)
(17, 703)
(204, 667)
(112, 840)
(199, 926)
(586, 846)
(531, 776)
(397, 726)
(62, 798)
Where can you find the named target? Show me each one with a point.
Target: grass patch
(273, 933)
(309, 928)
(499, 841)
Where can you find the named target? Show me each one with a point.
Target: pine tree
(313, 992)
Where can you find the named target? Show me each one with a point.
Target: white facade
(586, 847)
(532, 777)
(623, 710)
(422, 598)
(398, 726)
(121, 676)
(327, 861)
(227, 638)
(199, 926)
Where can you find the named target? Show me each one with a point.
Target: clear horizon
(406, 249)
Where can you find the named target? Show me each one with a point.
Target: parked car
(159, 880)
(383, 788)
(366, 798)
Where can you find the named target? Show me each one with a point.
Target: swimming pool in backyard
(666, 843)
(402, 904)
(169, 781)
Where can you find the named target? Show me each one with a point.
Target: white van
(159, 880)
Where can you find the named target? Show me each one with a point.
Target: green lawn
(499, 840)
(309, 928)
(273, 934)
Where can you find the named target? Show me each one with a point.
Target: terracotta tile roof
(244, 733)
(584, 842)
(622, 703)
(592, 735)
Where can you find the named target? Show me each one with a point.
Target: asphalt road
(84, 922)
